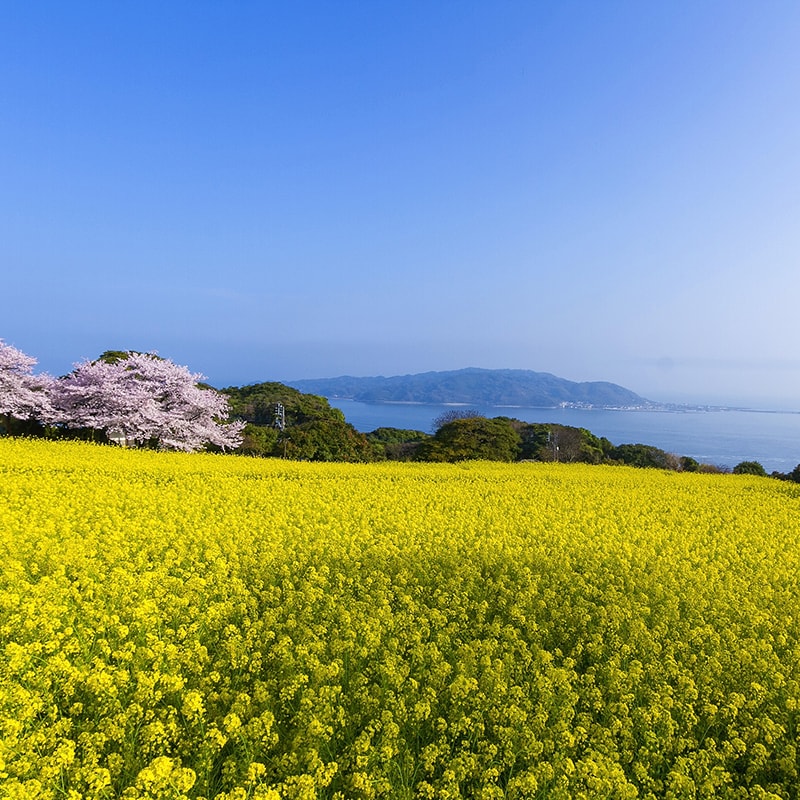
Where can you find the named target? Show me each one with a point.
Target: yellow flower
(232, 723)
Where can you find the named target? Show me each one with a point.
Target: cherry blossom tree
(140, 398)
(23, 395)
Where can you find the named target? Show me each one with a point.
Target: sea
(722, 437)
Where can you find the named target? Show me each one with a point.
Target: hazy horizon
(276, 192)
(228, 370)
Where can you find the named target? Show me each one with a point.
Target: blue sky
(274, 191)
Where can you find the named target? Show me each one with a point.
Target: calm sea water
(723, 438)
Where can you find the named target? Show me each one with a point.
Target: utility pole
(552, 439)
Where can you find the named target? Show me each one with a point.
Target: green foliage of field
(184, 626)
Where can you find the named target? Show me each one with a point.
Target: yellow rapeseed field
(184, 626)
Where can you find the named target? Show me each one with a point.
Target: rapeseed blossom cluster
(197, 626)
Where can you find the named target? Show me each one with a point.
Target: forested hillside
(492, 387)
(141, 400)
(281, 421)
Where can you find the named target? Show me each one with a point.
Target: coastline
(723, 439)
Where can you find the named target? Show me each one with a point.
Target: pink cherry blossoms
(23, 395)
(136, 399)
(145, 399)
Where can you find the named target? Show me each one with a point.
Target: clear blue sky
(273, 191)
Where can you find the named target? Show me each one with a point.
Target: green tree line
(274, 420)
(311, 429)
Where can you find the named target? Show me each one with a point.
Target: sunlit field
(177, 625)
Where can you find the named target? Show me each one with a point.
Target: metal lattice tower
(279, 420)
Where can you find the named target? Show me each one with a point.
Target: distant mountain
(484, 387)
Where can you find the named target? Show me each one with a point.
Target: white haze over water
(722, 438)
